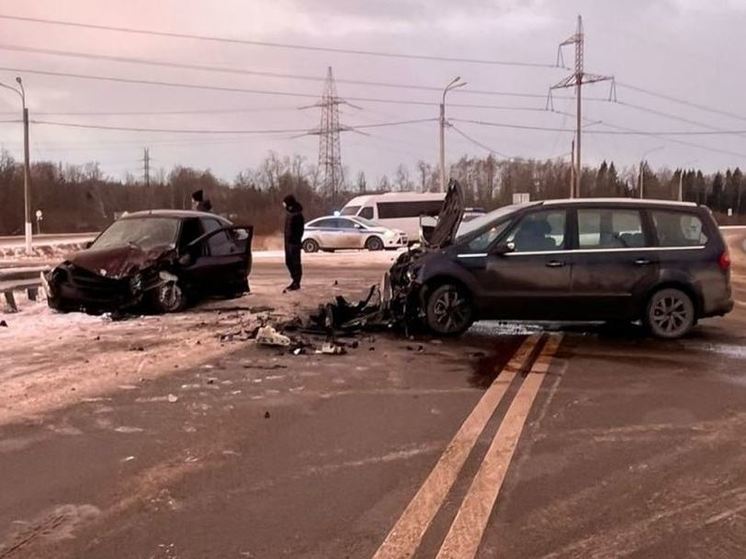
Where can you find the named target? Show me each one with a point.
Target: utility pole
(572, 169)
(21, 92)
(643, 163)
(576, 80)
(681, 185)
(455, 83)
(642, 179)
(330, 155)
(146, 166)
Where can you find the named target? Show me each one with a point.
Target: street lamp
(642, 174)
(455, 83)
(26, 165)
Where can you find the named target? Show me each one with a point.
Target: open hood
(449, 217)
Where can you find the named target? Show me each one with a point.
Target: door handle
(555, 264)
(643, 262)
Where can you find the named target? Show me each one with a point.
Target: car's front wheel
(449, 310)
(169, 297)
(374, 243)
(670, 313)
(309, 245)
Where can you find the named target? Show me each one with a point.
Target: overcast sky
(688, 49)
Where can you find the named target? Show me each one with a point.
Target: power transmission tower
(146, 166)
(576, 80)
(330, 154)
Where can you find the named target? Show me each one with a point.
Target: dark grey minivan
(617, 259)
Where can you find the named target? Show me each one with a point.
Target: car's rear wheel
(670, 313)
(374, 243)
(169, 297)
(449, 310)
(309, 245)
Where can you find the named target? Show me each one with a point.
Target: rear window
(678, 229)
(395, 210)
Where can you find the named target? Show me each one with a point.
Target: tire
(169, 297)
(374, 243)
(309, 245)
(449, 310)
(670, 314)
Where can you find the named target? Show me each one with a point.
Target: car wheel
(374, 243)
(169, 297)
(670, 313)
(449, 310)
(309, 245)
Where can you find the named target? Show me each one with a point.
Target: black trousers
(292, 261)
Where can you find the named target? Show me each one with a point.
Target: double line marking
(468, 527)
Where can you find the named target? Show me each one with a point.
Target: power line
(242, 71)
(620, 132)
(682, 101)
(160, 113)
(667, 139)
(211, 131)
(138, 81)
(229, 40)
(478, 143)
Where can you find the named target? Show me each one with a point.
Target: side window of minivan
(605, 228)
(539, 232)
(366, 212)
(678, 229)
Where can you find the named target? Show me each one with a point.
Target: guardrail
(20, 279)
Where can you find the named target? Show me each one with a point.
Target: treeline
(81, 198)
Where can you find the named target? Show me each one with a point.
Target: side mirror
(504, 248)
(358, 226)
(89, 244)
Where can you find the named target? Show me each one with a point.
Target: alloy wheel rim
(670, 314)
(451, 310)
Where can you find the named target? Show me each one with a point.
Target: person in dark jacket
(200, 203)
(294, 226)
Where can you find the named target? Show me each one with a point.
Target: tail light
(724, 261)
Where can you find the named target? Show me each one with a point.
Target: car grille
(94, 287)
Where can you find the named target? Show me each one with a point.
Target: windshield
(349, 210)
(146, 233)
(468, 227)
(367, 222)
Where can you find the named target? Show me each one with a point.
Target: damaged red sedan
(158, 260)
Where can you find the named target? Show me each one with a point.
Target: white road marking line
(465, 535)
(404, 538)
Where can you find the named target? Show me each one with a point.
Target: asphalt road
(572, 442)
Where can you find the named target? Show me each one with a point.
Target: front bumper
(399, 241)
(70, 288)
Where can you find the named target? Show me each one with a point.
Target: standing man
(199, 202)
(294, 225)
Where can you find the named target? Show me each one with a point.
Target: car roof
(179, 214)
(621, 201)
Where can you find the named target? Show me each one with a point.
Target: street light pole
(26, 163)
(642, 169)
(453, 85)
(26, 168)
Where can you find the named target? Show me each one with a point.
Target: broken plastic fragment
(270, 337)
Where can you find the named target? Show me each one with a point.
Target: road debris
(269, 336)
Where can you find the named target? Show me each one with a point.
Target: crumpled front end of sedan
(107, 282)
